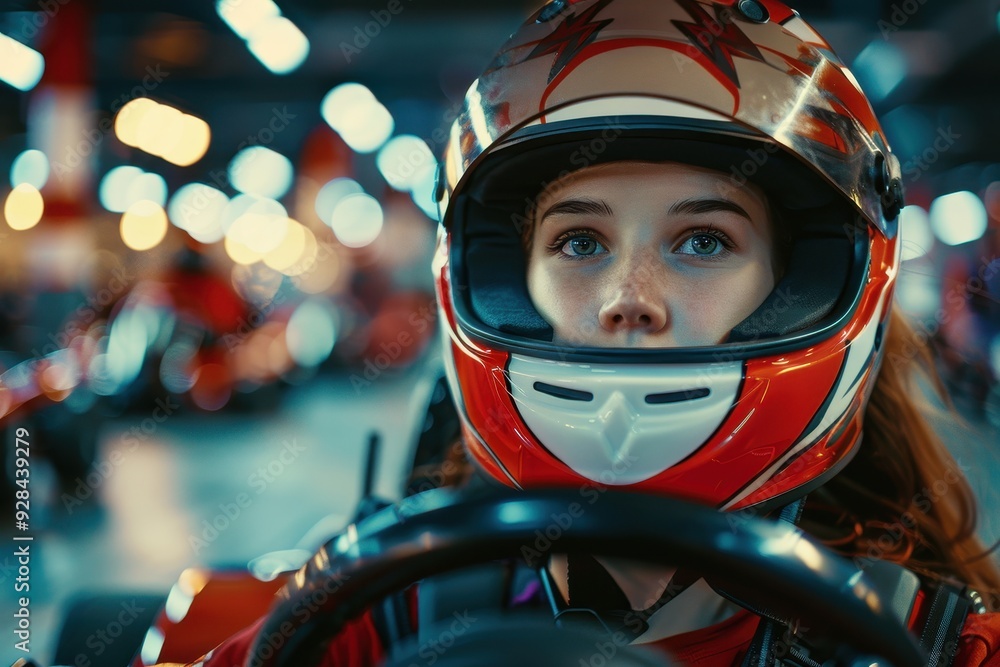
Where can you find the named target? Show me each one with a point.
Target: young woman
(668, 252)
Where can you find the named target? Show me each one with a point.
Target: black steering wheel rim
(443, 530)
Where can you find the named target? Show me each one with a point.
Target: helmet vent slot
(563, 392)
(678, 396)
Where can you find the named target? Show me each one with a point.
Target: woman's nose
(636, 303)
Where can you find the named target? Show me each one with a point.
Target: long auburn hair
(904, 497)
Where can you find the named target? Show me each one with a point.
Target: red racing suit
(719, 645)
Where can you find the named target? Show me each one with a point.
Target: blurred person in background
(970, 330)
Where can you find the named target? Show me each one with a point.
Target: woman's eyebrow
(578, 207)
(696, 206)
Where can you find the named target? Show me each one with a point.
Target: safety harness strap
(948, 610)
(391, 618)
(761, 649)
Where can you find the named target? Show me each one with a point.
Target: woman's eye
(703, 245)
(580, 246)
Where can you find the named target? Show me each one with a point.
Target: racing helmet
(743, 87)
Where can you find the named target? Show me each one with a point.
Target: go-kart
(769, 567)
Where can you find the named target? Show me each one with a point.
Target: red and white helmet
(743, 87)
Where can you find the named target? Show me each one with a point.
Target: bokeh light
(261, 227)
(240, 253)
(245, 16)
(357, 220)
(130, 117)
(198, 209)
(160, 127)
(114, 188)
(321, 277)
(880, 68)
(123, 186)
(147, 186)
(192, 144)
(306, 262)
(915, 232)
(236, 207)
(918, 294)
(21, 66)
(311, 333)
(331, 194)
(367, 129)
(273, 40)
(361, 120)
(290, 249)
(31, 167)
(423, 196)
(262, 172)
(161, 130)
(405, 162)
(278, 44)
(144, 225)
(959, 217)
(24, 207)
(337, 103)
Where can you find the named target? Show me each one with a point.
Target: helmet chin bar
(635, 420)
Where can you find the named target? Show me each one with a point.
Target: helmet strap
(761, 649)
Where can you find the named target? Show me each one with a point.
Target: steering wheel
(772, 566)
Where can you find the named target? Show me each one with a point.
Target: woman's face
(634, 254)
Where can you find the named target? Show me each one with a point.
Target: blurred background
(217, 223)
